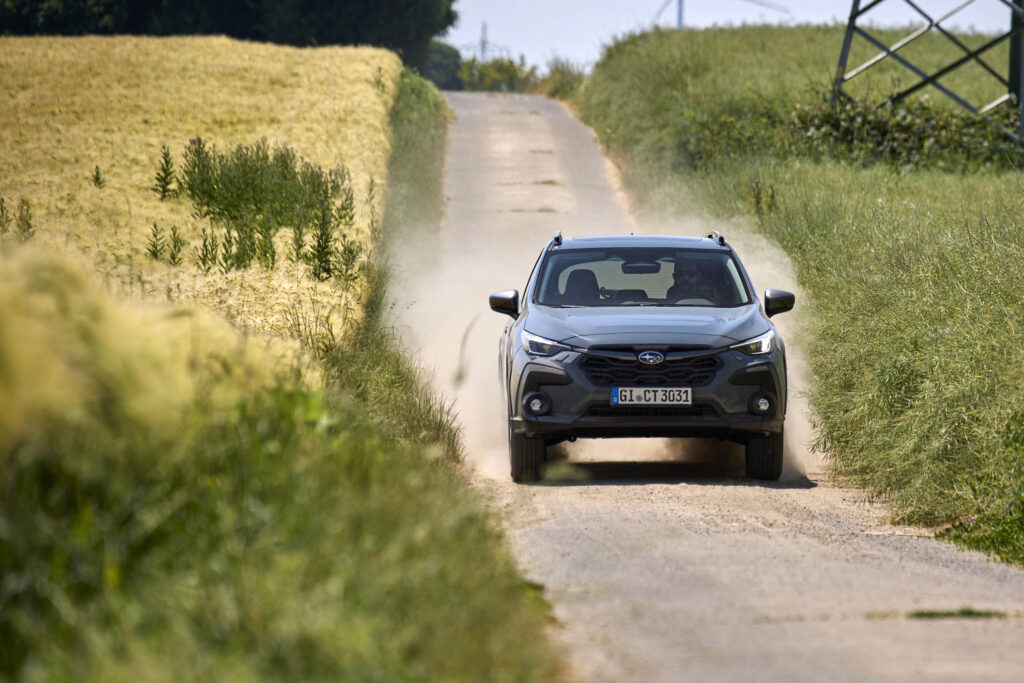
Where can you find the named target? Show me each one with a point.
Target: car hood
(662, 325)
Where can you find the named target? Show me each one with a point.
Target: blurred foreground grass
(912, 260)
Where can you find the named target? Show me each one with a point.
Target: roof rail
(717, 237)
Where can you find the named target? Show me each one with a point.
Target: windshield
(634, 276)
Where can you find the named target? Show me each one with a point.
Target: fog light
(537, 403)
(762, 404)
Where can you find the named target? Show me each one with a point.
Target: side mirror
(778, 301)
(507, 302)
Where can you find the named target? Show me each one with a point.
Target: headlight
(539, 346)
(758, 345)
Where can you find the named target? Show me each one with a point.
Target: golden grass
(70, 104)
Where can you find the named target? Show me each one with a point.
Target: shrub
(500, 75)
(562, 80)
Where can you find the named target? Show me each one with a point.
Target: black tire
(764, 457)
(526, 455)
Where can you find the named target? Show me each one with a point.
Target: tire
(764, 457)
(526, 455)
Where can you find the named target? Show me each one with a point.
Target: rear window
(635, 276)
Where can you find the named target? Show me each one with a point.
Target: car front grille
(620, 367)
(696, 410)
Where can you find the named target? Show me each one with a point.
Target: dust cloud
(492, 234)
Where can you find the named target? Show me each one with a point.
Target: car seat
(581, 288)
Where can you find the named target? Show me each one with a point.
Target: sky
(577, 29)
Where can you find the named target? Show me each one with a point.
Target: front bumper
(580, 406)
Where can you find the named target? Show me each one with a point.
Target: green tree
(442, 67)
(405, 26)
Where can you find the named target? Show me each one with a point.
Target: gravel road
(661, 561)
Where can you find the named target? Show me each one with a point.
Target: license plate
(651, 396)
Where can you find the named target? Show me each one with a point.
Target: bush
(562, 80)
(497, 75)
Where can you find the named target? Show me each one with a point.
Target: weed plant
(25, 228)
(322, 250)
(165, 175)
(206, 258)
(905, 226)
(156, 243)
(5, 218)
(254, 190)
(174, 246)
(98, 181)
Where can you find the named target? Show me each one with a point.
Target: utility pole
(483, 42)
(679, 13)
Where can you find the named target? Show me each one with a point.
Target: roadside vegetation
(560, 78)
(905, 223)
(186, 498)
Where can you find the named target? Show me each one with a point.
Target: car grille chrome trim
(681, 367)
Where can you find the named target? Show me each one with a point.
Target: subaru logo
(651, 357)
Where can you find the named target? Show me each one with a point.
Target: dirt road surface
(661, 561)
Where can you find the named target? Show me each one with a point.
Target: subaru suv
(642, 336)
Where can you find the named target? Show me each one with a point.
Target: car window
(635, 276)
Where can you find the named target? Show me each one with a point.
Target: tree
(442, 67)
(405, 26)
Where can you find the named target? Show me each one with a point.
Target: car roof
(657, 241)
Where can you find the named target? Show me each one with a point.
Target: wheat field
(71, 105)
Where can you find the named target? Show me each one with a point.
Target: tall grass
(912, 271)
(253, 527)
(181, 501)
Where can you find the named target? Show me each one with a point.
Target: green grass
(911, 267)
(256, 527)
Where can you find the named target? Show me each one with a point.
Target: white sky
(577, 29)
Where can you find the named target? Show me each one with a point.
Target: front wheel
(526, 454)
(764, 457)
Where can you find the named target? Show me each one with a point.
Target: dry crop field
(72, 105)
